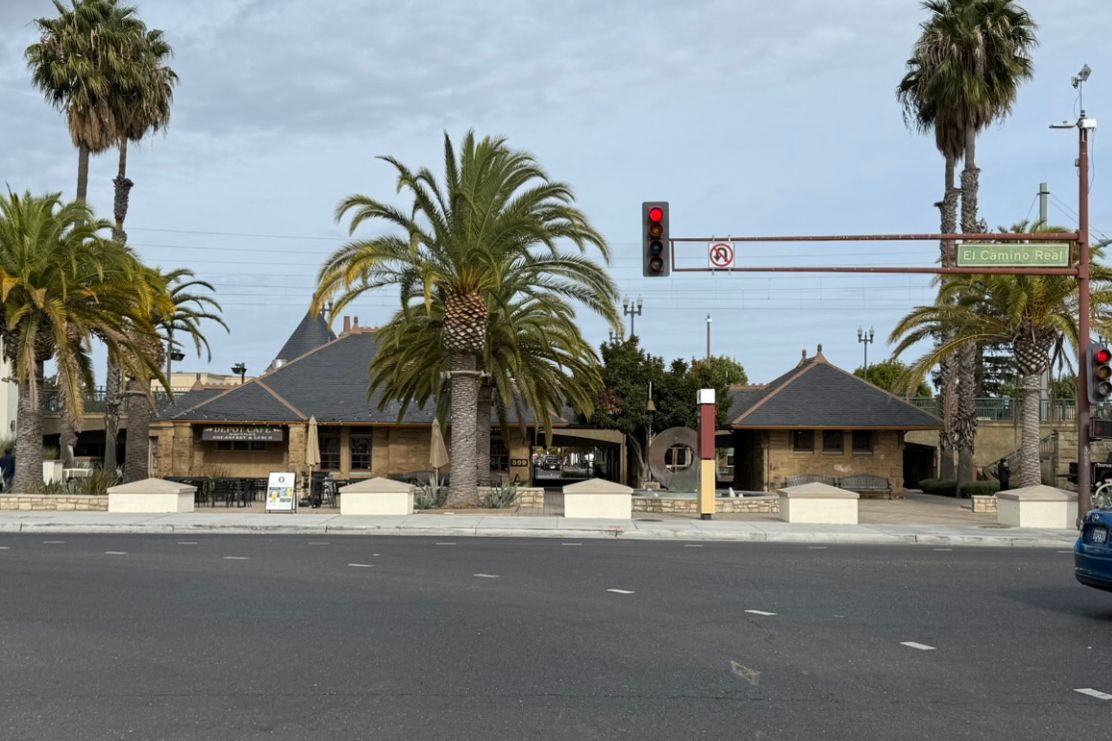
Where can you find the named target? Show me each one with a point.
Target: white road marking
(752, 676)
(445, 543)
(486, 576)
(115, 553)
(374, 554)
(318, 542)
(919, 646)
(187, 542)
(940, 550)
(5, 547)
(235, 558)
(816, 548)
(620, 591)
(692, 545)
(760, 612)
(56, 542)
(362, 565)
(1094, 693)
(571, 544)
(1069, 552)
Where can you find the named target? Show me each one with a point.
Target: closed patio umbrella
(312, 450)
(438, 452)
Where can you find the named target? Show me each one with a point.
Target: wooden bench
(808, 478)
(866, 484)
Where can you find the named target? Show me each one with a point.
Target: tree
(61, 283)
(887, 375)
(79, 63)
(1032, 314)
(964, 73)
(179, 312)
(495, 213)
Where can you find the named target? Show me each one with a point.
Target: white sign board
(720, 255)
(280, 495)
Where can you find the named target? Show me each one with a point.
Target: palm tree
(964, 74)
(496, 214)
(79, 63)
(180, 312)
(1031, 314)
(61, 284)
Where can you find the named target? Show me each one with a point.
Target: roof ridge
(787, 382)
(281, 400)
(288, 363)
(874, 387)
(211, 398)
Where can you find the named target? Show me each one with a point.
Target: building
(819, 420)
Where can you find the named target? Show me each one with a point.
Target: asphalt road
(252, 637)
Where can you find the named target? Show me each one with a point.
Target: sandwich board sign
(280, 493)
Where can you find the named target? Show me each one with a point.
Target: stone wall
(885, 459)
(45, 503)
(722, 505)
(984, 504)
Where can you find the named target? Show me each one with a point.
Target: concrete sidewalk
(485, 525)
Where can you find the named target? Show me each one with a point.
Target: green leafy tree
(888, 374)
(627, 373)
(495, 213)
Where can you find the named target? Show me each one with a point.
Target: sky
(748, 117)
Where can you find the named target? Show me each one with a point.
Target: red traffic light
(1102, 356)
(656, 214)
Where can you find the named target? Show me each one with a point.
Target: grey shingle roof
(311, 333)
(817, 394)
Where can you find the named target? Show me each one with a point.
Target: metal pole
(170, 356)
(1043, 193)
(1084, 483)
(708, 338)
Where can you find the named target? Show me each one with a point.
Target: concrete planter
(377, 496)
(151, 496)
(818, 504)
(598, 499)
(1037, 506)
(51, 471)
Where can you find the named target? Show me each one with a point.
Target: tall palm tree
(964, 74)
(60, 284)
(1031, 314)
(495, 213)
(179, 313)
(79, 63)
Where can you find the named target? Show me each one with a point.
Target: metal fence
(1004, 409)
(94, 403)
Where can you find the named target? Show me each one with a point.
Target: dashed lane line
(445, 543)
(942, 550)
(486, 576)
(1094, 693)
(760, 612)
(918, 646)
(54, 542)
(115, 553)
(318, 542)
(235, 558)
(816, 548)
(361, 565)
(692, 545)
(5, 548)
(570, 544)
(620, 591)
(187, 542)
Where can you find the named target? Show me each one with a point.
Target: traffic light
(654, 239)
(1100, 374)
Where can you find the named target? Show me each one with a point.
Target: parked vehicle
(1092, 554)
(551, 463)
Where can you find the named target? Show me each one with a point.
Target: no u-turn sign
(720, 255)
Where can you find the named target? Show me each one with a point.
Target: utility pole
(1043, 193)
(708, 338)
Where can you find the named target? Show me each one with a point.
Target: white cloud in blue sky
(750, 117)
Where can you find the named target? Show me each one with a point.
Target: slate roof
(816, 394)
(190, 399)
(311, 333)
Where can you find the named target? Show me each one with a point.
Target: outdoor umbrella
(312, 450)
(438, 453)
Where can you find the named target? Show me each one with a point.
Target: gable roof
(311, 333)
(816, 394)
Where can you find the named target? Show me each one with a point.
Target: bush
(980, 488)
(501, 497)
(430, 496)
(93, 485)
(949, 487)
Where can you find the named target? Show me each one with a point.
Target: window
(679, 458)
(862, 441)
(833, 441)
(499, 455)
(803, 441)
(329, 449)
(361, 444)
(241, 446)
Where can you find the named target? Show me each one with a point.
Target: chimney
(347, 324)
(819, 351)
(355, 323)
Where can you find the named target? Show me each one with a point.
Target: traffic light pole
(1084, 412)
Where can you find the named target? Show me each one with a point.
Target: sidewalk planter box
(1037, 506)
(818, 503)
(151, 496)
(598, 499)
(377, 496)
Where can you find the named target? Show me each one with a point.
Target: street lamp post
(708, 338)
(241, 369)
(865, 338)
(632, 310)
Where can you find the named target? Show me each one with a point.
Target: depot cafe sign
(253, 433)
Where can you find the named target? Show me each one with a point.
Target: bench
(808, 478)
(867, 483)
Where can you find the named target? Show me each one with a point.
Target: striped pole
(707, 457)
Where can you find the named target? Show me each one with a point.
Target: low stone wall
(722, 505)
(983, 503)
(43, 503)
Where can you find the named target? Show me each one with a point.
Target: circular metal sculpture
(673, 477)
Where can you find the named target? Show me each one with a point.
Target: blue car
(1092, 555)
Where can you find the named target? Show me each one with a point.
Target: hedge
(948, 487)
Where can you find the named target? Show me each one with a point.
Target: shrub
(430, 496)
(501, 497)
(980, 488)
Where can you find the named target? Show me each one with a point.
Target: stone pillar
(818, 503)
(155, 496)
(295, 454)
(377, 496)
(598, 498)
(181, 450)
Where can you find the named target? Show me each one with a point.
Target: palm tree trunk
(965, 427)
(138, 442)
(123, 189)
(482, 434)
(113, 387)
(28, 443)
(1029, 465)
(82, 172)
(67, 437)
(465, 405)
(947, 394)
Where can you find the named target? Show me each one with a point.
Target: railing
(94, 404)
(1004, 409)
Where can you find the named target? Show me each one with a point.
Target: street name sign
(1014, 255)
